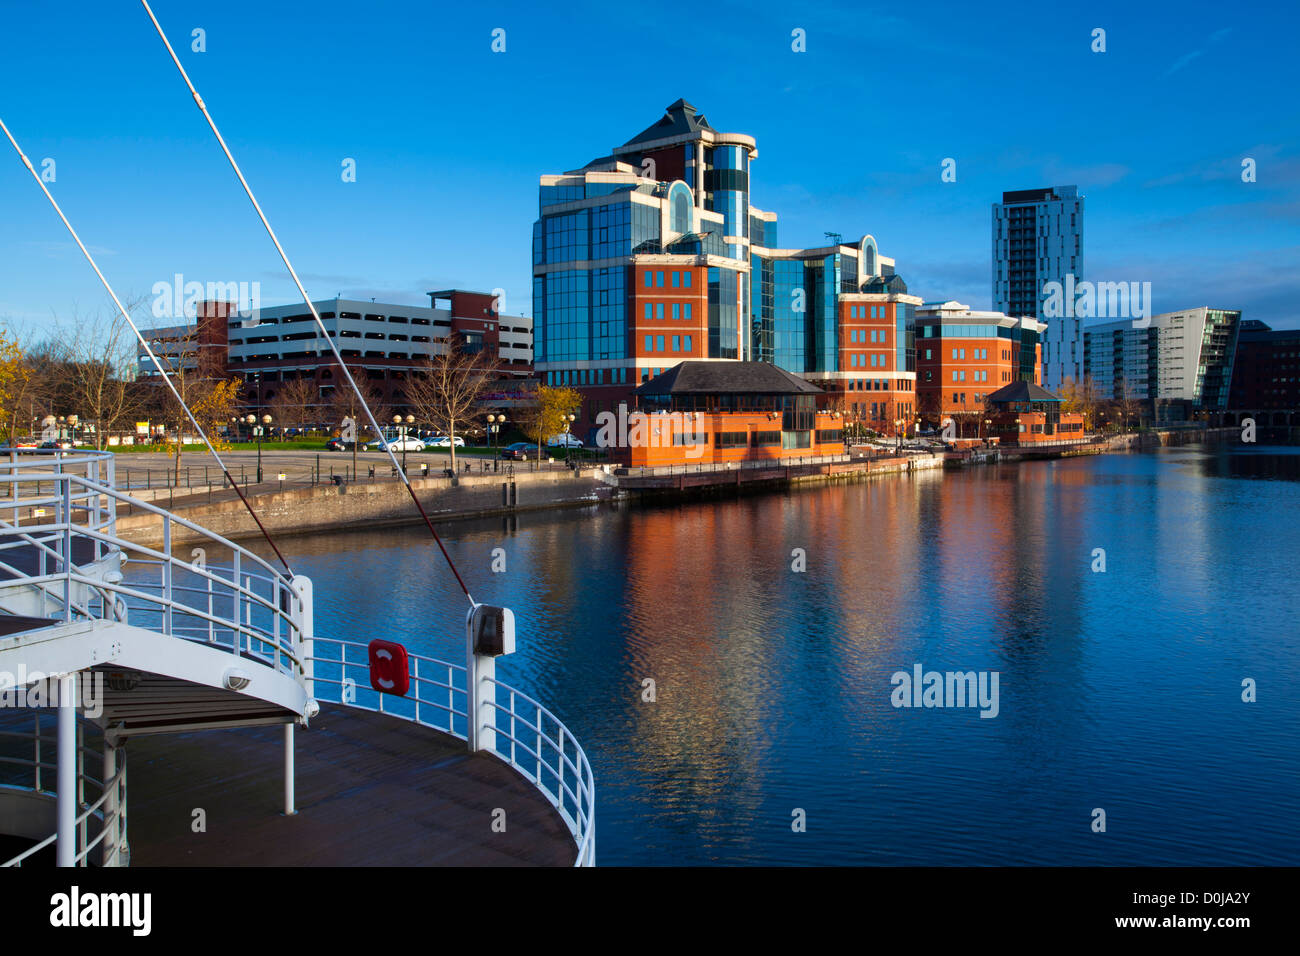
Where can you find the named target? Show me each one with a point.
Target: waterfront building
(1266, 368)
(964, 355)
(384, 341)
(1178, 364)
(708, 413)
(1038, 238)
(1024, 413)
(655, 255)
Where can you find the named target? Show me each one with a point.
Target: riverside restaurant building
(710, 413)
(1023, 413)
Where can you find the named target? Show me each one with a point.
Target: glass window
(688, 338)
(677, 309)
(649, 343)
(647, 278)
(659, 343)
(648, 310)
(677, 280)
(659, 279)
(686, 281)
(688, 305)
(677, 343)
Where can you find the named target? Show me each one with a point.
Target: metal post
(66, 853)
(480, 696)
(109, 844)
(289, 810)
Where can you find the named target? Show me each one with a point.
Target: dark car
(64, 443)
(339, 444)
(519, 451)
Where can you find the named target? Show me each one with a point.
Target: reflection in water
(1119, 689)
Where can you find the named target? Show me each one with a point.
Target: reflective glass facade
(723, 319)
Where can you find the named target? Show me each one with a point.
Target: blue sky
(449, 138)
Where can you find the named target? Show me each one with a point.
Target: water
(1119, 690)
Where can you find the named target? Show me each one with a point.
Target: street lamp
(988, 427)
(401, 431)
(257, 431)
(500, 421)
(898, 435)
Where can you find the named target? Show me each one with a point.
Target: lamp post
(898, 436)
(568, 423)
(401, 431)
(257, 431)
(500, 420)
(988, 428)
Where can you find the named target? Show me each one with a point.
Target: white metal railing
(35, 774)
(532, 740)
(53, 507)
(51, 504)
(58, 518)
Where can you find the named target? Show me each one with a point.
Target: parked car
(564, 440)
(64, 443)
(408, 443)
(339, 444)
(519, 451)
(442, 441)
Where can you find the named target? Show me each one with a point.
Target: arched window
(679, 208)
(867, 258)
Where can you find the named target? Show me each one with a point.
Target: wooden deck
(371, 791)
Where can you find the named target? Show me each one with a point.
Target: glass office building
(655, 254)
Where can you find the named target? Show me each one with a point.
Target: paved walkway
(371, 790)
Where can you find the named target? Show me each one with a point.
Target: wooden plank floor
(371, 791)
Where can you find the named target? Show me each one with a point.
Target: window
(647, 278)
(649, 309)
(677, 280)
(927, 353)
(649, 343)
(677, 343)
(659, 343)
(659, 279)
(688, 338)
(688, 305)
(686, 281)
(659, 310)
(677, 309)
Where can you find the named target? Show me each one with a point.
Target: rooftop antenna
(347, 374)
(835, 238)
(147, 348)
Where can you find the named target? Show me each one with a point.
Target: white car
(409, 443)
(442, 441)
(565, 440)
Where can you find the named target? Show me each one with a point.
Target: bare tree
(347, 409)
(294, 405)
(445, 390)
(100, 368)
